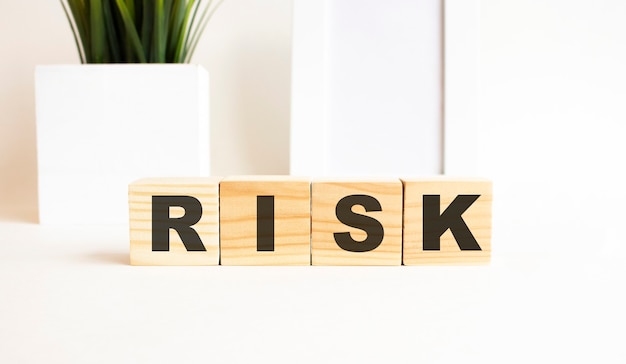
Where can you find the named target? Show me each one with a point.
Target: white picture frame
(309, 139)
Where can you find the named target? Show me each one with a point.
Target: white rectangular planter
(99, 127)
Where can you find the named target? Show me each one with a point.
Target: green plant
(137, 31)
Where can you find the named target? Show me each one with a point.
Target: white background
(552, 119)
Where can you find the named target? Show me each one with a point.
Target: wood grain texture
(326, 193)
(477, 217)
(140, 203)
(292, 216)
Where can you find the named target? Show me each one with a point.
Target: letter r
(162, 222)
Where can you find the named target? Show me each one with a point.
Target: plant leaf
(178, 19)
(98, 39)
(183, 53)
(147, 28)
(131, 32)
(111, 32)
(157, 45)
(74, 33)
(204, 20)
(80, 14)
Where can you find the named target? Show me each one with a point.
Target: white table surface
(68, 295)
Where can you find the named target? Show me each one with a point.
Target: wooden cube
(265, 220)
(447, 221)
(356, 222)
(174, 221)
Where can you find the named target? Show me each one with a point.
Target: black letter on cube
(435, 225)
(371, 226)
(265, 223)
(162, 222)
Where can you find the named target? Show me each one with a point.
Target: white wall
(246, 48)
(553, 122)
